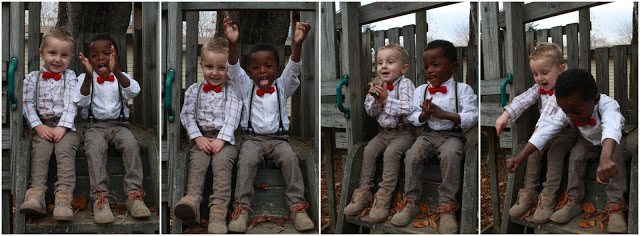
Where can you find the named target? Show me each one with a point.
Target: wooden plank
(469, 211)
(490, 43)
(493, 168)
(409, 44)
(378, 42)
(472, 68)
(529, 47)
(191, 45)
(309, 81)
(341, 140)
(387, 227)
(150, 65)
(457, 75)
(511, 194)
(332, 117)
(539, 10)
(329, 149)
(19, 152)
(83, 223)
(621, 82)
(393, 35)
(34, 36)
(235, 6)
(602, 70)
(384, 10)
(20, 177)
(328, 88)
(573, 50)
(633, 186)
(368, 69)
(556, 36)
(421, 43)
(137, 116)
(311, 184)
(585, 38)
(543, 35)
(490, 113)
(633, 114)
(350, 180)
(328, 56)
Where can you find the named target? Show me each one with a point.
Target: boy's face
(214, 67)
(390, 65)
(263, 69)
(545, 72)
(437, 68)
(577, 109)
(99, 52)
(56, 54)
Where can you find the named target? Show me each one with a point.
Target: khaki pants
(557, 149)
(222, 166)
(448, 147)
(65, 151)
(257, 148)
(584, 151)
(97, 139)
(392, 145)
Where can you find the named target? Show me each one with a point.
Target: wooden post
(138, 73)
(472, 45)
(421, 43)
(366, 57)
(174, 61)
(309, 80)
(556, 37)
(572, 46)
(409, 42)
(150, 64)
(602, 69)
(620, 81)
(17, 50)
(191, 45)
(394, 35)
(34, 36)
(585, 38)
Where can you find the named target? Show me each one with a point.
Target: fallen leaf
(364, 213)
(421, 224)
(79, 203)
(587, 224)
(562, 200)
(424, 208)
(600, 225)
(588, 207)
(528, 213)
(263, 185)
(433, 224)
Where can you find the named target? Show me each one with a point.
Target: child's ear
(454, 66)
(405, 68)
(597, 98)
(562, 67)
(40, 51)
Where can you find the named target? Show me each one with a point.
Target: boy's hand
(302, 28)
(230, 30)
(217, 144)
(513, 163)
(382, 94)
(113, 60)
(606, 169)
(45, 132)
(59, 132)
(204, 144)
(425, 106)
(86, 64)
(502, 121)
(435, 111)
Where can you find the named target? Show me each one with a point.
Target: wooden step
(83, 223)
(570, 227)
(387, 227)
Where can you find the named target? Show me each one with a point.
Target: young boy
(104, 92)
(583, 109)
(265, 121)
(443, 106)
(546, 64)
(49, 108)
(391, 107)
(210, 114)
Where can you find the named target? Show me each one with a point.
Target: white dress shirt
(522, 102)
(398, 104)
(467, 107)
(106, 100)
(604, 128)
(54, 98)
(264, 116)
(214, 113)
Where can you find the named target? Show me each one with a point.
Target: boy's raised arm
(302, 28)
(85, 89)
(232, 34)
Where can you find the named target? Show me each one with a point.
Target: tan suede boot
(63, 209)
(448, 222)
(135, 204)
(567, 212)
(33, 202)
(406, 212)
(361, 199)
(102, 212)
(526, 200)
(188, 210)
(217, 220)
(239, 218)
(380, 209)
(617, 223)
(546, 204)
(301, 220)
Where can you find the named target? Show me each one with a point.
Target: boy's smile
(390, 65)
(263, 68)
(437, 68)
(56, 54)
(214, 67)
(99, 52)
(577, 109)
(545, 72)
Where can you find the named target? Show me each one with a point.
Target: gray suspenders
(197, 108)
(91, 117)
(281, 130)
(35, 95)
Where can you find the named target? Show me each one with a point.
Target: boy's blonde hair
(404, 55)
(218, 44)
(545, 49)
(58, 32)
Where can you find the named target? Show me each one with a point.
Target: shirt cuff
(195, 134)
(612, 134)
(65, 124)
(512, 113)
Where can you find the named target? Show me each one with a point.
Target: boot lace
(448, 209)
(617, 208)
(235, 214)
(137, 195)
(101, 198)
(300, 208)
(404, 202)
(564, 202)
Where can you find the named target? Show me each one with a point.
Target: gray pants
(65, 151)
(448, 147)
(584, 151)
(392, 145)
(97, 139)
(222, 166)
(557, 149)
(258, 148)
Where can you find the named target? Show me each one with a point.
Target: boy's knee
(289, 159)
(130, 147)
(450, 157)
(250, 160)
(96, 145)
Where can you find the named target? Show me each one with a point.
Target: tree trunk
(89, 17)
(270, 27)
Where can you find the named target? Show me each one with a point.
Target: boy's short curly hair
(102, 37)
(217, 44)
(447, 47)
(404, 55)
(576, 80)
(545, 49)
(265, 47)
(58, 32)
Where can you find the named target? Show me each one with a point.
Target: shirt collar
(446, 83)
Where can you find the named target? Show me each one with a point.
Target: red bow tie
(442, 89)
(51, 75)
(390, 87)
(261, 92)
(592, 122)
(208, 87)
(550, 92)
(102, 80)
